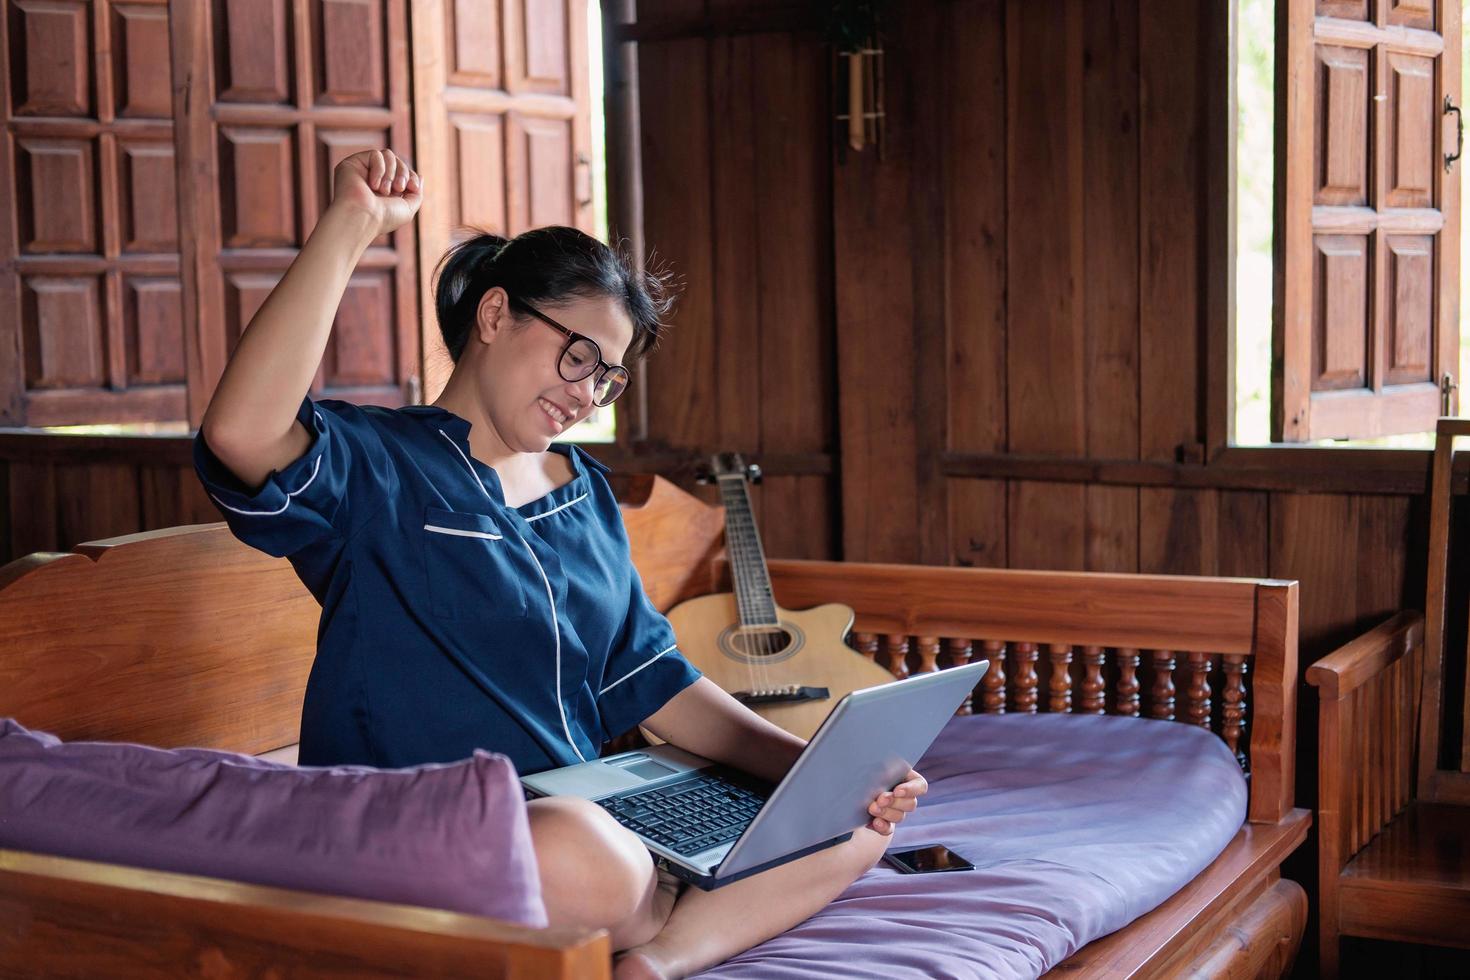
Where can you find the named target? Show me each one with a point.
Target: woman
(475, 582)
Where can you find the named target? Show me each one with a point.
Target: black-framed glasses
(581, 358)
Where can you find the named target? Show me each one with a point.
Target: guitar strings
(752, 592)
(735, 543)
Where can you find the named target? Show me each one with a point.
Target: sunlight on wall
(1255, 93)
(601, 425)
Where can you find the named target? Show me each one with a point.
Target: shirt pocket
(476, 571)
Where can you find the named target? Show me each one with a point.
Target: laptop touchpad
(648, 769)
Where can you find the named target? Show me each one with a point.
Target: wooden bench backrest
(1217, 652)
(185, 636)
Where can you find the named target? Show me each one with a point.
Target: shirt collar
(458, 429)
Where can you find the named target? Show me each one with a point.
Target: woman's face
(522, 392)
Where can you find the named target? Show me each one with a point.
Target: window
(150, 226)
(1364, 243)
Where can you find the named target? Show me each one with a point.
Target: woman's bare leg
(595, 874)
(709, 927)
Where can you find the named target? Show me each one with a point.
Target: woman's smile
(556, 413)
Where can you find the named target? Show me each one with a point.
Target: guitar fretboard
(747, 559)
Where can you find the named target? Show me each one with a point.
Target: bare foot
(637, 966)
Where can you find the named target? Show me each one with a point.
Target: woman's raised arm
(250, 423)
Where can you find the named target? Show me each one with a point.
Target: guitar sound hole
(760, 645)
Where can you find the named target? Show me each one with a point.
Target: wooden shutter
(91, 326)
(502, 118)
(1368, 218)
(281, 91)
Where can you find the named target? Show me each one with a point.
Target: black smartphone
(923, 860)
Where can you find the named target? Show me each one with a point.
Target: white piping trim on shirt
(556, 628)
(550, 597)
(637, 669)
(468, 466)
(463, 534)
(281, 509)
(553, 510)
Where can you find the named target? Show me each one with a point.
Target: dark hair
(547, 265)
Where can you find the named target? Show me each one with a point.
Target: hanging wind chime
(857, 69)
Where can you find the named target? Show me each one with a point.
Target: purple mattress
(1076, 824)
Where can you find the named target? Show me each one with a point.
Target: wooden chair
(1393, 801)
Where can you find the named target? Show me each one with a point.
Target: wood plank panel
(796, 519)
(1111, 542)
(792, 332)
(1110, 147)
(978, 523)
(737, 394)
(96, 501)
(1045, 355)
(170, 496)
(1244, 545)
(1170, 228)
(1179, 531)
(873, 257)
(1047, 526)
(1384, 549)
(32, 508)
(1111, 227)
(674, 85)
(1314, 538)
(924, 28)
(974, 168)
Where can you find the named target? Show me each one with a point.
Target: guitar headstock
(730, 464)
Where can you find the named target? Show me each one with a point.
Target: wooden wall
(1016, 317)
(994, 344)
(1001, 334)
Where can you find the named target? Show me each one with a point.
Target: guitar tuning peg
(753, 471)
(704, 476)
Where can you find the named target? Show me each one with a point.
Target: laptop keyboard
(688, 816)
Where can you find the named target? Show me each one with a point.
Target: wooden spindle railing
(1014, 682)
(1232, 727)
(1161, 696)
(1059, 687)
(1088, 644)
(928, 654)
(1024, 695)
(993, 685)
(1197, 694)
(1094, 690)
(898, 654)
(1128, 686)
(960, 653)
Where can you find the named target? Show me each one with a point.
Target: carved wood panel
(1368, 278)
(298, 86)
(90, 321)
(1339, 353)
(502, 126)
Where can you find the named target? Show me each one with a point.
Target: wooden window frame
(1276, 466)
(1295, 231)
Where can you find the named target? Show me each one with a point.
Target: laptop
(710, 825)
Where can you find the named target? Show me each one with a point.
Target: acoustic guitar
(790, 667)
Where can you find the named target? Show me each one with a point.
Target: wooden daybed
(186, 637)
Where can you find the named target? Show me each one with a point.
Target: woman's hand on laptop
(891, 807)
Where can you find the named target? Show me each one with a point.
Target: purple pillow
(450, 836)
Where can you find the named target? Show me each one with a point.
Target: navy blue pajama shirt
(451, 621)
